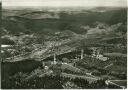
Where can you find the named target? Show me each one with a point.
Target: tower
(54, 59)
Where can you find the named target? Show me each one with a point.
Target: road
(89, 78)
(111, 82)
(108, 66)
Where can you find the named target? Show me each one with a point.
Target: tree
(122, 28)
(66, 60)
(7, 41)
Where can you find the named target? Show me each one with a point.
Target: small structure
(101, 57)
(46, 67)
(97, 54)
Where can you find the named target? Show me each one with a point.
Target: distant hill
(40, 21)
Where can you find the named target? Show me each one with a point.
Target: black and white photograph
(64, 44)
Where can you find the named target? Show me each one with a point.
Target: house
(101, 57)
(97, 54)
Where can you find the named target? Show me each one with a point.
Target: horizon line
(64, 6)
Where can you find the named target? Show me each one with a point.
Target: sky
(64, 3)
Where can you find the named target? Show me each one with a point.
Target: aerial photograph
(64, 44)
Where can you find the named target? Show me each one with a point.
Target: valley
(64, 49)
